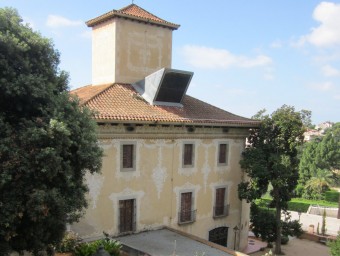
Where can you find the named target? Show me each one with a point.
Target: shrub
(284, 239)
(264, 224)
(68, 243)
(335, 246)
(88, 249)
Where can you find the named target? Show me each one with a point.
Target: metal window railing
(186, 217)
(221, 211)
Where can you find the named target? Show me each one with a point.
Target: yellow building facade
(169, 159)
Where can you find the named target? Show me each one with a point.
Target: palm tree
(320, 183)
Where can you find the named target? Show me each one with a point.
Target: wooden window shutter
(188, 153)
(186, 207)
(223, 150)
(220, 197)
(127, 156)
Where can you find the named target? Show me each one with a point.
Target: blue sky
(246, 55)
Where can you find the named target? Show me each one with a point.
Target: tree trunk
(278, 229)
(339, 208)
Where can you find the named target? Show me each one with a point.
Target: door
(219, 236)
(126, 215)
(186, 202)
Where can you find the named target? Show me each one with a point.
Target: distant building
(319, 131)
(169, 159)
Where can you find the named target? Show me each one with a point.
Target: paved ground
(300, 247)
(332, 224)
(165, 242)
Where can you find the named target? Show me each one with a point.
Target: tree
(47, 141)
(272, 158)
(317, 185)
(320, 161)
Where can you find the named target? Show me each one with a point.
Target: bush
(88, 249)
(332, 196)
(335, 246)
(284, 239)
(68, 243)
(264, 224)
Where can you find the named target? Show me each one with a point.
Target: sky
(246, 55)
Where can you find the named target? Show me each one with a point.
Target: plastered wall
(125, 51)
(159, 178)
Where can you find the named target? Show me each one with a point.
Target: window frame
(226, 155)
(225, 202)
(192, 164)
(133, 157)
(192, 208)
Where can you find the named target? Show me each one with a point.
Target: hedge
(332, 196)
(297, 204)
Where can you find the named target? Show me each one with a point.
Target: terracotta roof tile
(133, 12)
(120, 102)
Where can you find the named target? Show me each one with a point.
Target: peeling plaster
(95, 182)
(206, 169)
(159, 173)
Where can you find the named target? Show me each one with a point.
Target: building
(170, 159)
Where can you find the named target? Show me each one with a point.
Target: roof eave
(231, 123)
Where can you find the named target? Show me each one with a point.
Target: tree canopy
(47, 141)
(271, 158)
(320, 162)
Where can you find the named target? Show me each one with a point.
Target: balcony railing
(185, 217)
(221, 211)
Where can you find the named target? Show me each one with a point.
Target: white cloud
(328, 32)
(211, 58)
(325, 86)
(330, 71)
(56, 21)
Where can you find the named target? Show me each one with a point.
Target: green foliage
(332, 196)
(319, 161)
(296, 204)
(88, 249)
(335, 246)
(264, 224)
(68, 243)
(272, 158)
(47, 141)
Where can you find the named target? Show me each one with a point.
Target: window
(128, 157)
(223, 151)
(188, 155)
(186, 214)
(221, 209)
(127, 215)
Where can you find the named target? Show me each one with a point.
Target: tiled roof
(120, 102)
(133, 12)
